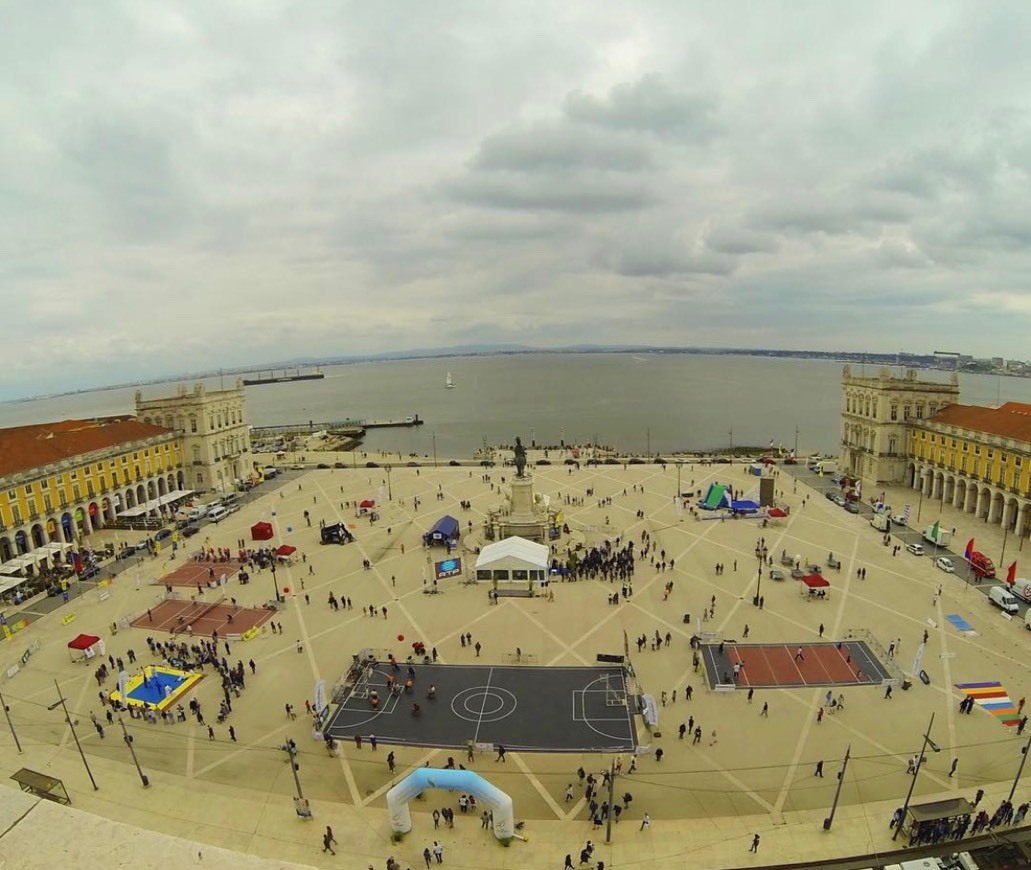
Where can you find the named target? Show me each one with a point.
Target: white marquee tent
(513, 559)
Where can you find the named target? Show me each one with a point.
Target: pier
(354, 428)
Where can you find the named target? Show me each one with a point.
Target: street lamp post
(390, 489)
(434, 434)
(760, 555)
(796, 442)
(60, 703)
(1020, 770)
(919, 761)
(275, 582)
(132, 751)
(827, 822)
(10, 724)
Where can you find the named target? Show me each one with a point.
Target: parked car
(126, 553)
(898, 520)
(142, 545)
(839, 499)
(89, 572)
(915, 549)
(340, 465)
(851, 507)
(945, 564)
(777, 574)
(162, 534)
(190, 530)
(323, 465)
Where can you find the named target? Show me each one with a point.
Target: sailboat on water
(449, 384)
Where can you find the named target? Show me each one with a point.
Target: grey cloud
(648, 105)
(583, 193)
(644, 257)
(731, 240)
(552, 148)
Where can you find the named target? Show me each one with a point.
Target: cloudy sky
(202, 184)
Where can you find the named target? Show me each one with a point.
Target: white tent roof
(534, 555)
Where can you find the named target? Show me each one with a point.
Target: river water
(637, 403)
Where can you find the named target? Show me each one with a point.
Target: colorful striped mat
(995, 699)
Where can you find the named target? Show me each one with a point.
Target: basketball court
(530, 709)
(772, 666)
(201, 617)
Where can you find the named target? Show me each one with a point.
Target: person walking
(955, 764)
(646, 822)
(328, 840)
(798, 655)
(819, 769)
(887, 693)
(427, 856)
(821, 629)
(755, 843)
(501, 753)
(438, 852)
(765, 710)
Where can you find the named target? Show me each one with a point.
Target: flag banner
(1011, 575)
(968, 552)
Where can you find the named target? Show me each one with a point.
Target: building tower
(877, 415)
(214, 432)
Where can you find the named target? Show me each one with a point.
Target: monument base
(523, 527)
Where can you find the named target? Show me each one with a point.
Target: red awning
(83, 641)
(285, 550)
(261, 531)
(776, 512)
(368, 503)
(815, 581)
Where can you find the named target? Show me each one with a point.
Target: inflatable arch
(464, 781)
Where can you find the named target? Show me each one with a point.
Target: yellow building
(59, 481)
(976, 459)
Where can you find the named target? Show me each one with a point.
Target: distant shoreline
(920, 361)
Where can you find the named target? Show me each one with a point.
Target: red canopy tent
(261, 531)
(816, 581)
(776, 512)
(367, 504)
(85, 646)
(285, 550)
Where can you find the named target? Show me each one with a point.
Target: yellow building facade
(60, 481)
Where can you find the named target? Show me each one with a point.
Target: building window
(894, 412)
(193, 424)
(919, 412)
(905, 412)
(892, 445)
(196, 453)
(47, 503)
(28, 489)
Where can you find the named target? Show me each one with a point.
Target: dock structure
(353, 428)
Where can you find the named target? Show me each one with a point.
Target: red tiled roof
(1012, 420)
(26, 447)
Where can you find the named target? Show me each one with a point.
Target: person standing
(646, 822)
(755, 843)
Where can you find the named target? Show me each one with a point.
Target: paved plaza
(748, 773)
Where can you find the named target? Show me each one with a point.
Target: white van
(1000, 596)
(217, 513)
(197, 513)
(1022, 587)
(881, 522)
(231, 502)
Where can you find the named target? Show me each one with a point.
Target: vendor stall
(261, 531)
(814, 586)
(285, 552)
(86, 647)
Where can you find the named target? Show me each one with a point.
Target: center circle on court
(483, 704)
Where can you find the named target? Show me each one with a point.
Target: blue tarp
(446, 529)
(744, 506)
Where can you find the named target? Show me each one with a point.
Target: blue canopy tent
(444, 531)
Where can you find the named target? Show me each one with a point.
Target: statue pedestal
(522, 498)
(524, 519)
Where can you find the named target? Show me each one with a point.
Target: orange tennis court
(770, 666)
(201, 618)
(204, 574)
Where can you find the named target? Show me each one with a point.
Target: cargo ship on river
(285, 377)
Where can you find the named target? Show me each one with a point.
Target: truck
(1022, 588)
(880, 522)
(982, 566)
(826, 466)
(938, 535)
